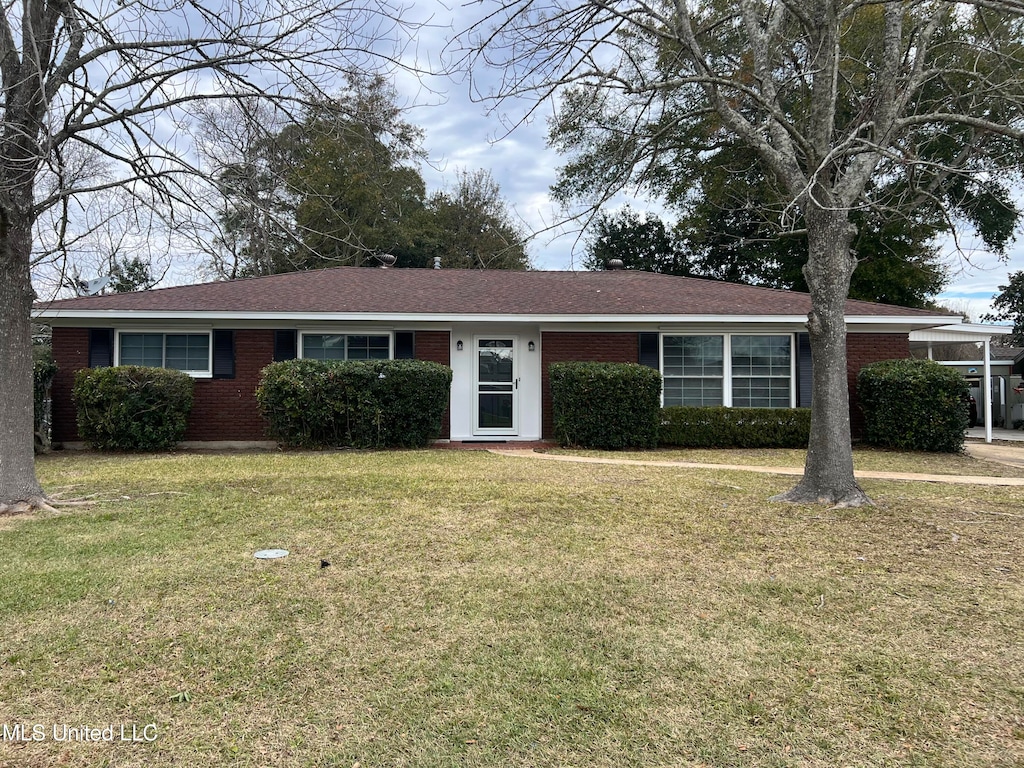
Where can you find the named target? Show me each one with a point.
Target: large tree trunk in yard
(828, 471)
(19, 489)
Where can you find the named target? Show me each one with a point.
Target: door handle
(517, 382)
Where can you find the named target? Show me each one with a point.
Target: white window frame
(727, 374)
(208, 332)
(792, 367)
(726, 389)
(303, 332)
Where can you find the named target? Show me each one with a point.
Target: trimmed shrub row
(908, 404)
(132, 408)
(359, 404)
(606, 405)
(915, 405)
(719, 427)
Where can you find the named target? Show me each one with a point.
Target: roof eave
(904, 322)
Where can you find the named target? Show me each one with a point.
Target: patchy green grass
(865, 458)
(489, 611)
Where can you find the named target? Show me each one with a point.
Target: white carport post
(988, 389)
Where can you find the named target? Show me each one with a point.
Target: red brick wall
(225, 409)
(864, 348)
(70, 352)
(436, 346)
(559, 347)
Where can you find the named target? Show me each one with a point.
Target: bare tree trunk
(828, 471)
(19, 488)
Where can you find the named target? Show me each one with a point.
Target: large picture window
(693, 370)
(340, 346)
(188, 352)
(761, 371)
(739, 370)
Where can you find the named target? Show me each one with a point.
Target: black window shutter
(649, 354)
(223, 354)
(405, 345)
(803, 370)
(101, 347)
(285, 345)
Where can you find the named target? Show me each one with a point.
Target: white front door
(496, 389)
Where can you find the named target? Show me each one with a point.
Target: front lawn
(489, 611)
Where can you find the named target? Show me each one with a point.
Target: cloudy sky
(460, 134)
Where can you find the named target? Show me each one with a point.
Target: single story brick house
(715, 343)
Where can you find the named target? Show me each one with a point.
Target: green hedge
(605, 405)
(915, 405)
(132, 408)
(43, 371)
(719, 427)
(364, 404)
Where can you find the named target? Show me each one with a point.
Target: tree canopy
(896, 263)
(342, 186)
(640, 242)
(473, 227)
(1008, 306)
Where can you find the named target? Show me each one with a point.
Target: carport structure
(993, 375)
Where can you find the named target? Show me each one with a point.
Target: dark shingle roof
(448, 292)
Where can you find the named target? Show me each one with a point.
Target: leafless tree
(93, 93)
(834, 96)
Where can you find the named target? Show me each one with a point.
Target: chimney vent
(437, 262)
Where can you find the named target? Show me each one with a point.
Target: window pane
(765, 392)
(494, 360)
(761, 371)
(693, 355)
(323, 346)
(187, 352)
(368, 347)
(679, 391)
(496, 411)
(142, 349)
(761, 355)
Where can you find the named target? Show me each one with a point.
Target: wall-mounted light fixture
(459, 345)
(531, 346)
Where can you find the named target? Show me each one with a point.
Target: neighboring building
(715, 343)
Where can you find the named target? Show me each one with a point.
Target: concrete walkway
(998, 433)
(524, 453)
(1011, 454)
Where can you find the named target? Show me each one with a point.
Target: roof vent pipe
(437, 262)
(614, 264)
(386, 260)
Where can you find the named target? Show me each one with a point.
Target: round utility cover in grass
(271, 554)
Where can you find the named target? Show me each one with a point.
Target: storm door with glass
(497, 387)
